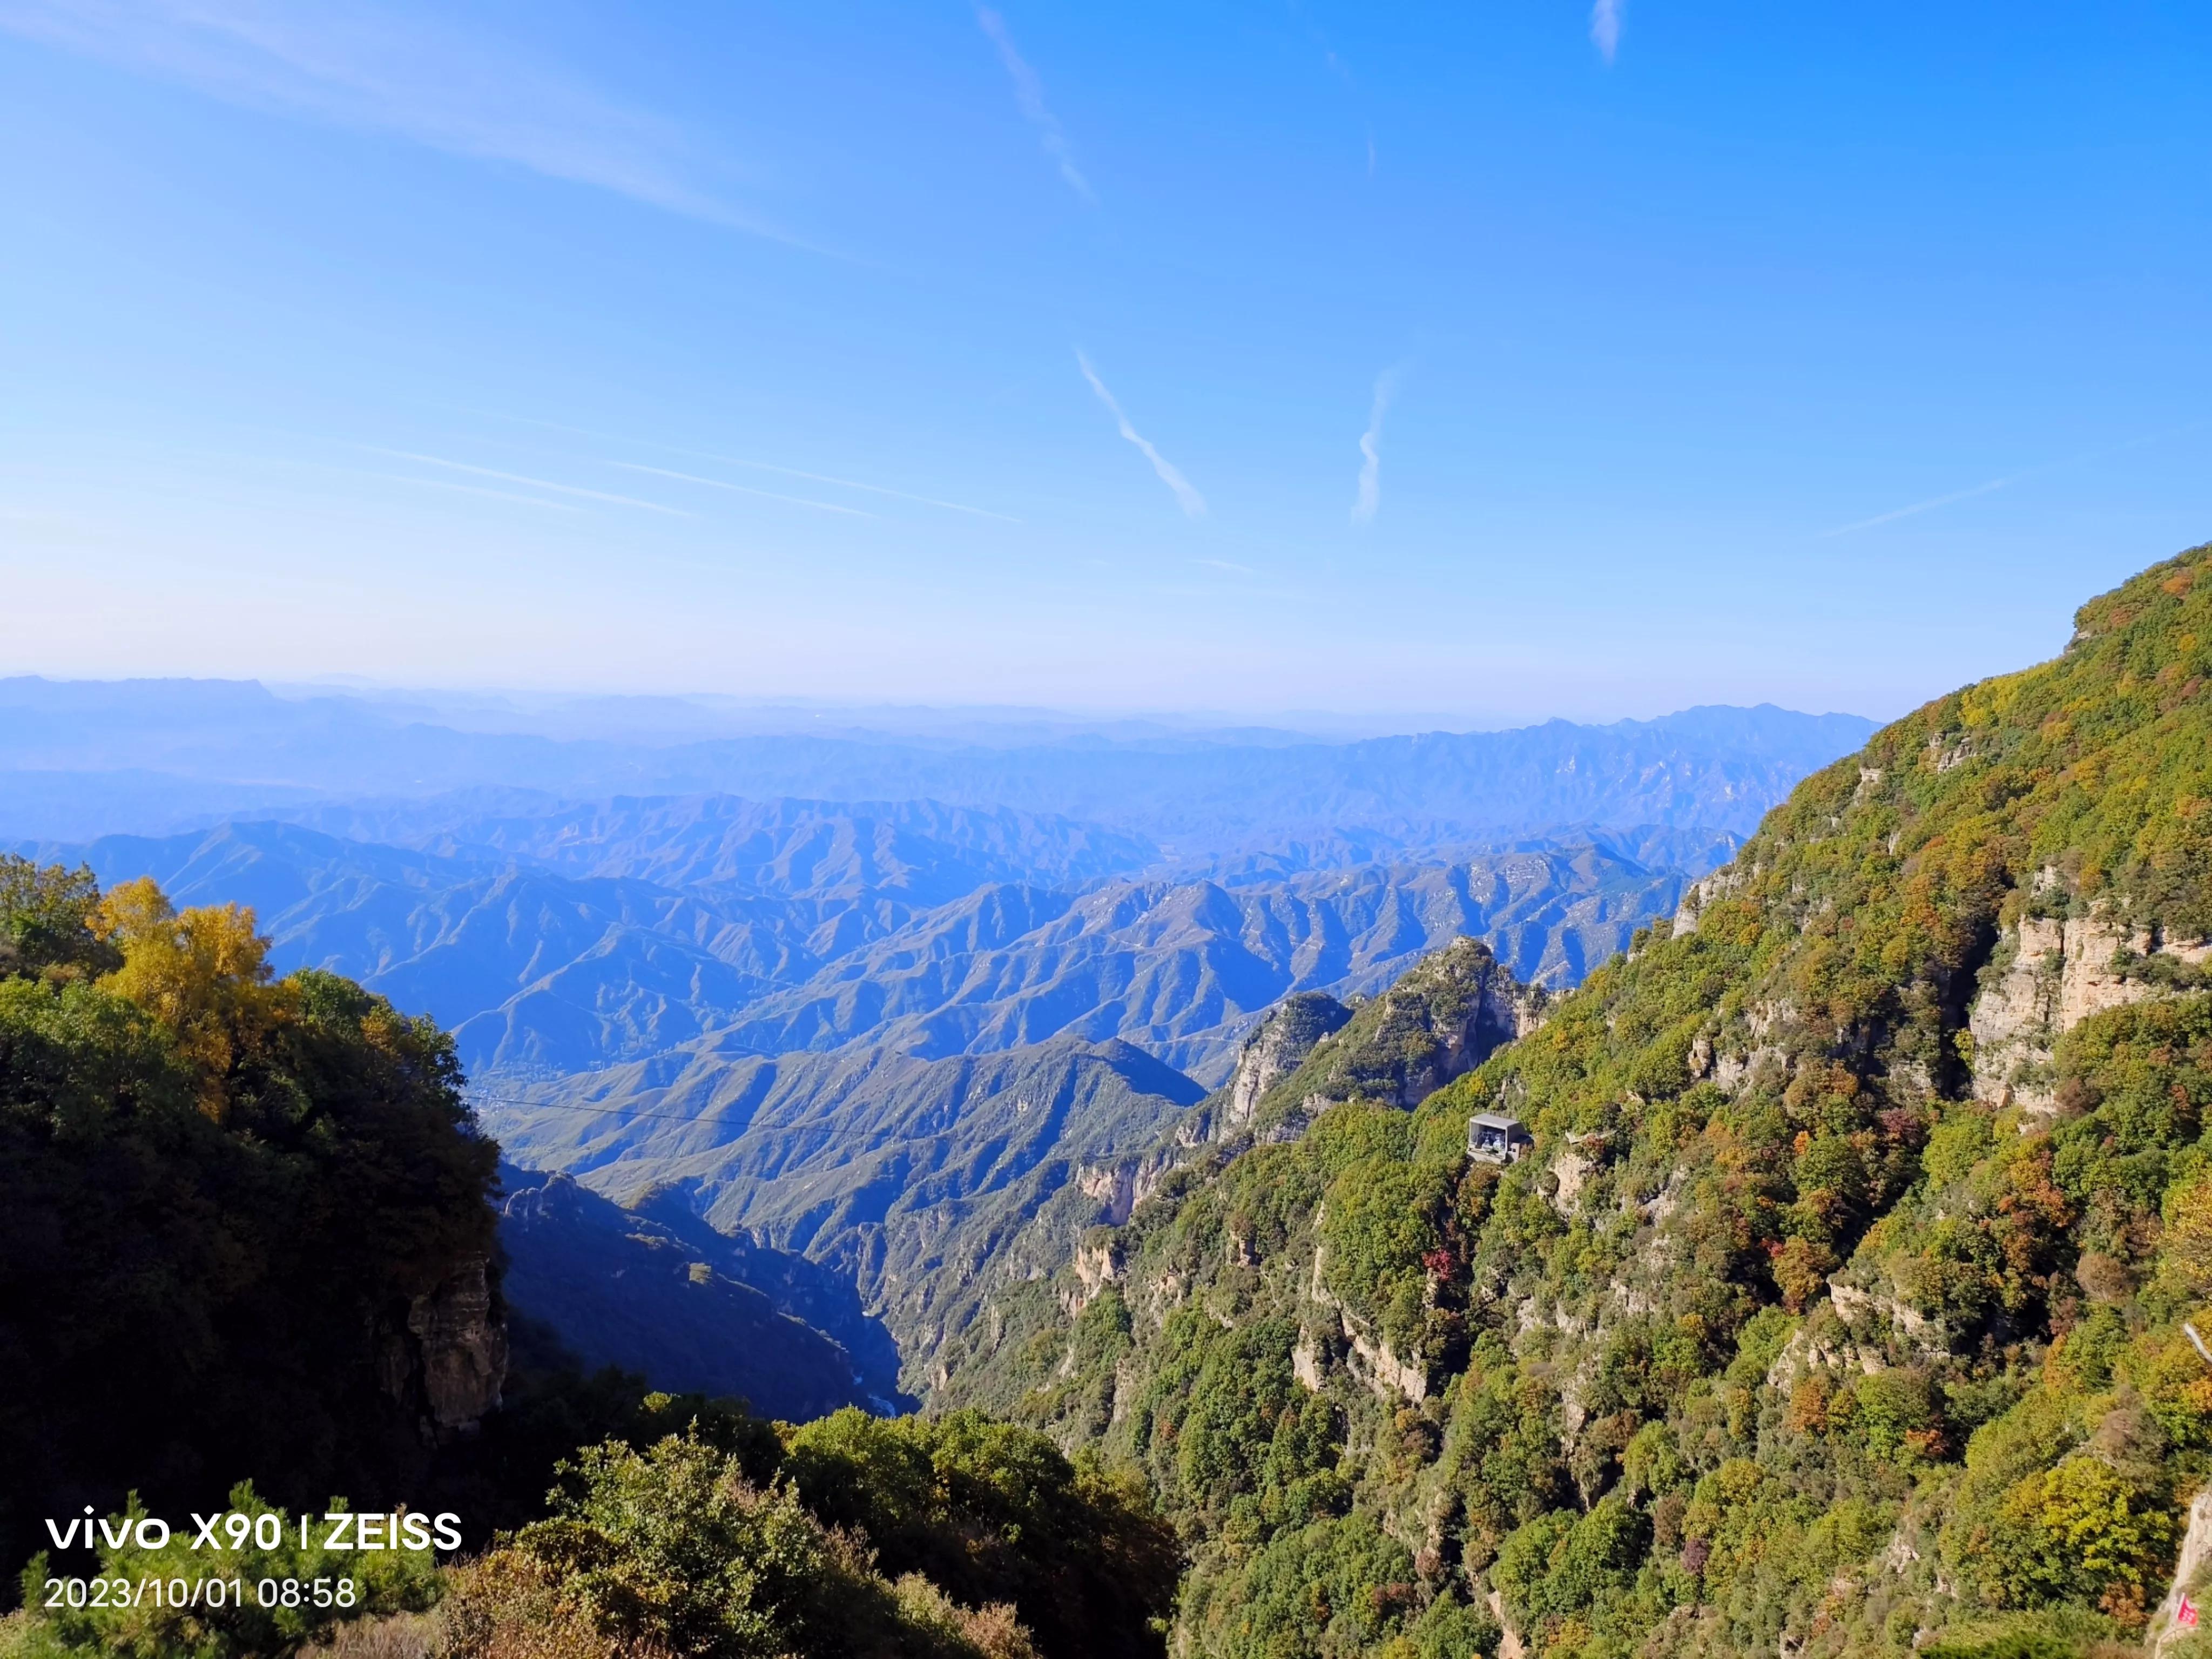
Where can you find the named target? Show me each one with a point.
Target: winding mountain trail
(2196, 1546)
(1509, 1644)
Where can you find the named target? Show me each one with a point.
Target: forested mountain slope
(664, 1297)
(247, 1264)
(1839, 1307)
(905, 1174)
(933, 1183)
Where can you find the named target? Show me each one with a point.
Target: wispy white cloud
(2100, 452)
(1605, 27)
(757, 466)
(462, 489)
(1193, 503)
(534, 483)
(1924, 506)
(1370, 450)
(1229, 565)
(294, 463)
(742, 489)
(1029, 93)
(382, 68)
(854, 483)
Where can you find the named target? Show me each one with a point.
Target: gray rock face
(2047, 977)
(1277, 1048)
(446, 1360)
(1443, 1018)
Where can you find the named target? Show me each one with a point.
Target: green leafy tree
(673, 1550)
(994, 1513)
(220, 1198)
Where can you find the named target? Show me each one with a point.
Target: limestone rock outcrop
(2046, 977)
(446, 1360)
(1278, 1047)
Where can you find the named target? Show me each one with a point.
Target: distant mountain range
(823, 1015)
(937, 891)
(931, 1184)
(593, 936)
(1183, 968)
(80, 759)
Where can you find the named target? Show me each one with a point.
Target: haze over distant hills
(80, 759)
(959, 886)
(875, 990)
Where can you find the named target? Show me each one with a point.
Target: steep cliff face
(1280, 1044)
(1844, 1303)
(1309, 1055)
(443, 1361)
(916, 1184)
(1446, 1016)
(2048, 975)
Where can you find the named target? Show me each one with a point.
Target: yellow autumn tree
(201, 972)
(2187, 1242)
(2081, 1531)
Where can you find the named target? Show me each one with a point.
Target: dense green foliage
(219, 1197)
(676, 1551)
(851, 1535)
(46, 917)
(991, 1513)
(696, 1529)
(1794, 1327)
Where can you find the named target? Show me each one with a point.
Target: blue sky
(1480, 363)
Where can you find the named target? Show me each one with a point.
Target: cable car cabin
(1494, 1138)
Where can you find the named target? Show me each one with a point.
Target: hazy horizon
(488, 705)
